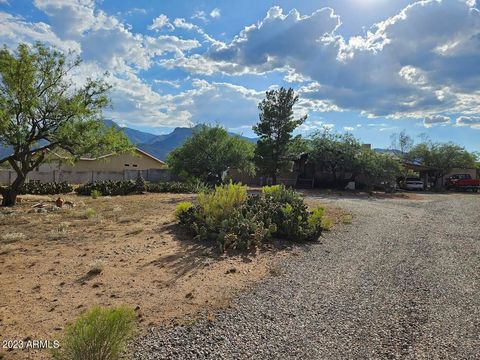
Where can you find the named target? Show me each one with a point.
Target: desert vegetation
(236, 220)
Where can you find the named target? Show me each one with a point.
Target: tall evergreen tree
(275, 131)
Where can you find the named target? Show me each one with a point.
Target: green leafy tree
(335, 153)
(343, 153)
(442, 156)
(380, 169)
(41, 110)
(209, 152)
(273, 151)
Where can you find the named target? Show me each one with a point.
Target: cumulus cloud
(418, 63)
(15, 29)
(436, 120)
(472, 121)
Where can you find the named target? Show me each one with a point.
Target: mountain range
(160, 145)
(156, 145)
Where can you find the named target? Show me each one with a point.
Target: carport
(424, 172)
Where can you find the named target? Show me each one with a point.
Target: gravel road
(401, 282)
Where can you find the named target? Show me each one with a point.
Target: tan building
(139, 160)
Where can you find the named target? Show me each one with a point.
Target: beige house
(139, 160)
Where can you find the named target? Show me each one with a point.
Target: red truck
(462, 182)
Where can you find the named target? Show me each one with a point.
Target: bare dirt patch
(110, 251)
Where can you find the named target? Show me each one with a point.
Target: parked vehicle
(462, 182)
(412, 184)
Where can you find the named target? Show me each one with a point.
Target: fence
(83, 177)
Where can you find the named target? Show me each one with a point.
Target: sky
(369, 67)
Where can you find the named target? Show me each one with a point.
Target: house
(139, 160)
(108, 167)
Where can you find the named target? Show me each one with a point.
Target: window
(127, 165)
(134, 165)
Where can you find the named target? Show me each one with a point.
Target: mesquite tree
(275, 131)
(41, 109)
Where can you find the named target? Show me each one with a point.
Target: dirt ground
(114, 251)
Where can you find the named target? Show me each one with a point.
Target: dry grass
(12, 237)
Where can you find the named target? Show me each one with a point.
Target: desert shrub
(177, 187)
(90, 213)
(107, 188)
(218, 205)
(182, 208)
(327, 224)
(235, 220)
(12, 237)
(95, 194)
(127, 187)
(140, 184)
(36, 187)
(99, 334)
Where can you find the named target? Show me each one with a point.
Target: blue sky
(369, 67)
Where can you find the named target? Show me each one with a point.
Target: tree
(402, 143)
(343, 153)
(42, 110)
(335, 153)
(209, 152)
(380, 169)
(275, 131)
(441, 156)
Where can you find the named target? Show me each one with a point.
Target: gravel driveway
(401, 282)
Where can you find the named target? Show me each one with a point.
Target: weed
(327, 224)
(95, 194)
(90, 213)
(182, 208)
(347, 219)
(12, 237)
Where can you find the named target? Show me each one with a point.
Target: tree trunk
(10, 193)
(9, 197)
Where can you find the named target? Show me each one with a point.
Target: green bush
(235, 220)
(108, 188)
(140, 184)
(99, 334)
(36, 187)
(90, 213)
(127, 187)
(218, 205)
(182, 208)
(95, 194)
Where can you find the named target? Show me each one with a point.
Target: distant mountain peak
(160, 145)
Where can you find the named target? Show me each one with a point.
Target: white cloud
(472, 121)
(173, 83)
(201, 15)
(160, 22)
(215, 13)
(436, 120)
(348, 128)
(16, 29)
(418, 63)
(183, 24)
